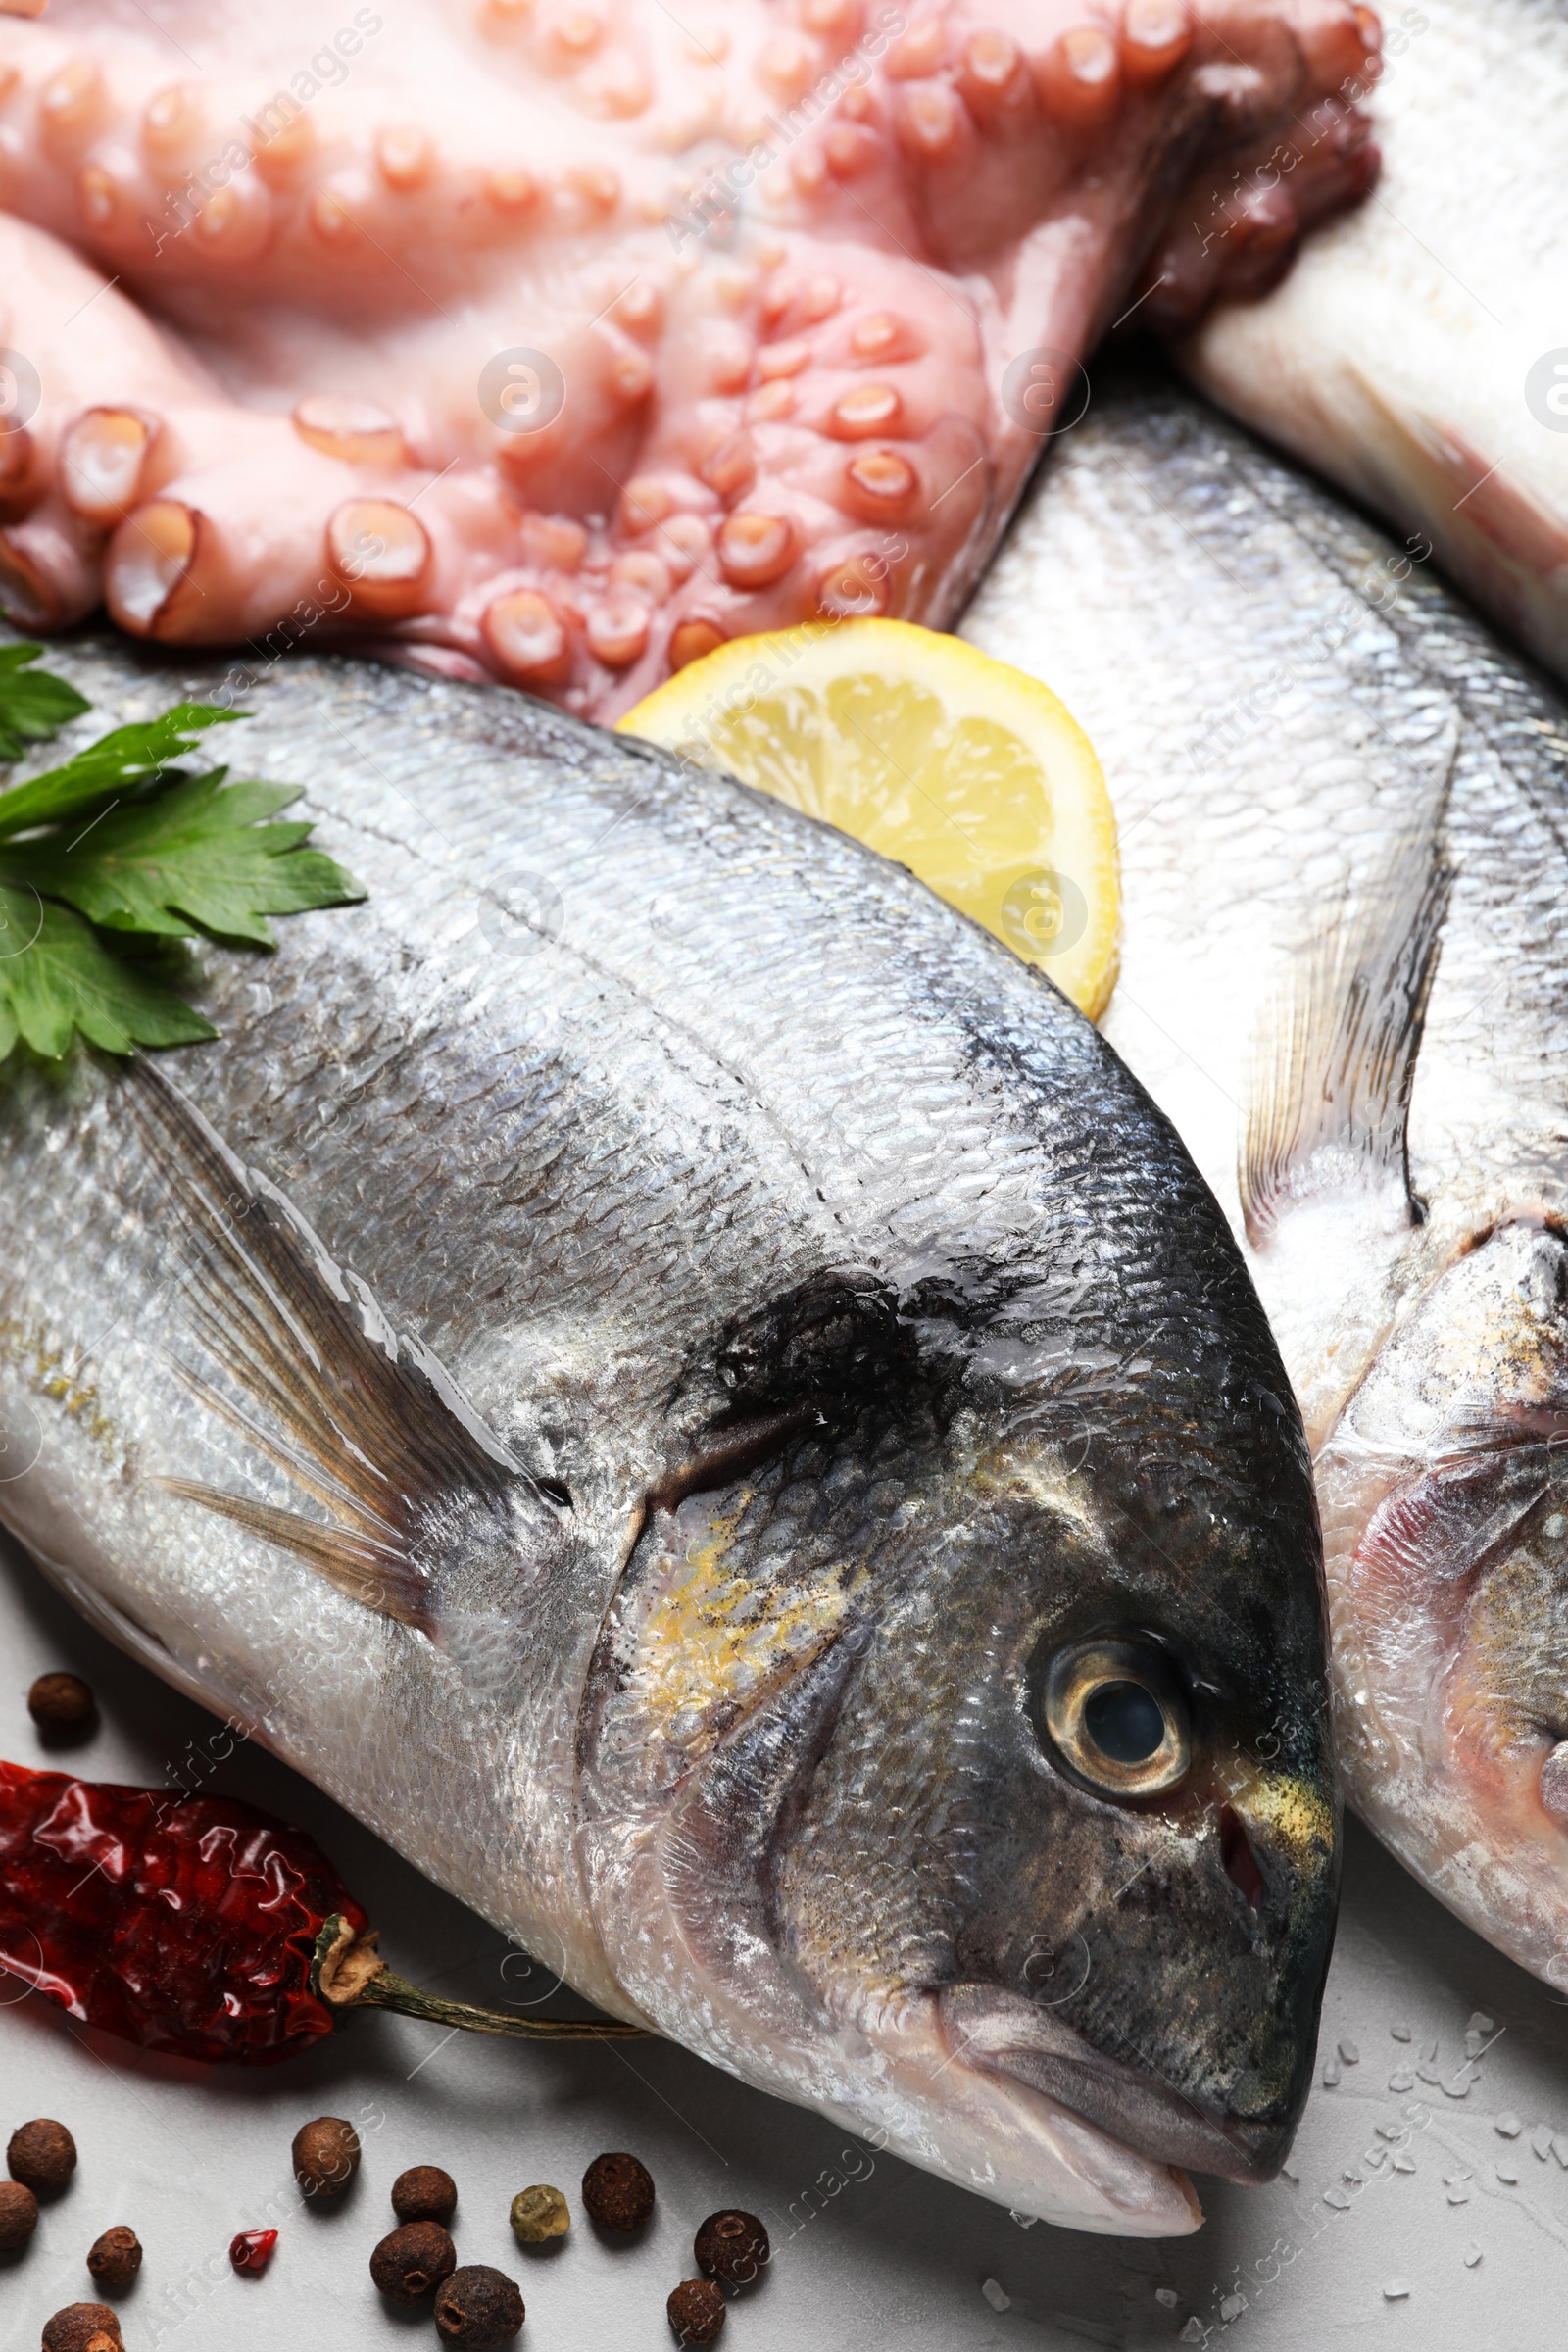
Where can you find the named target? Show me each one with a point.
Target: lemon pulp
(973, 775)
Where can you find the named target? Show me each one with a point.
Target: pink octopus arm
(559, 340)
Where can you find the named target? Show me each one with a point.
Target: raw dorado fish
(689, 1388)
(1420, 354)
(565, 342)
(1344, 975)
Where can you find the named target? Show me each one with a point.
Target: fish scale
(434, 1373)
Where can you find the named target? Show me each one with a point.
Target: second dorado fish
(1344, 974)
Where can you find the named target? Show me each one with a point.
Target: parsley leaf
(107, 860)
(108, 769)
(34, 706)
(60, 976)
(197, 857)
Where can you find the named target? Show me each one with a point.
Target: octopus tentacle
(559, 342)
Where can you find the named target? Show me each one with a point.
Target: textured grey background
(870, 2255)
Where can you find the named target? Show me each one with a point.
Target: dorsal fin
(1329, 1092)
(361, 1419)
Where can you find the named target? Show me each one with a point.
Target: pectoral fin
(1334, 1054)
(362, 1422)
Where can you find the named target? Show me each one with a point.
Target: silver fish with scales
(1345, 838)
(725, 1426)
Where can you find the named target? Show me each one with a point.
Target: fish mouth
(999, 2033)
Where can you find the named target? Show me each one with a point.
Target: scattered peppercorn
(327, 2156)
(478, 2306)
(424, 2193)
(251, 2251)
(83, 2327)
(62, 1707)
(617, 2192)
(115, 2258)
(412, 2263)
(43, 2156)
(540, 2217)
(732, 2246)
(19, 2216)
(695, 2311)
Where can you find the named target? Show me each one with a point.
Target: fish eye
(1116, 1715)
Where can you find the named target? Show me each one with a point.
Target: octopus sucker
(744, 305)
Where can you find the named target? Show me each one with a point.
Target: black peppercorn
(695, 2311)
(19, 2216)
(424, 2193)
(43, 2156)
(63, 1707)
(115, 2258)
(617, 2192)
(478, 2306)
(83, 2327)
(327, 2156)
(732, 2246)
(412, 2263)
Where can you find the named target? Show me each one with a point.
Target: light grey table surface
(870, 2256)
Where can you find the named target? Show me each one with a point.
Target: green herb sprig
(104, 860)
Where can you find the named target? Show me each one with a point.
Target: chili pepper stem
(349, 1973)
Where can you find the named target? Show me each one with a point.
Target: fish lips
(999, 2032)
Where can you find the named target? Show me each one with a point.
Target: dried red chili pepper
(197, 1925)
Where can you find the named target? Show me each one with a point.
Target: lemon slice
(964, 770)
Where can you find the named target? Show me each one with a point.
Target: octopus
(558, 341)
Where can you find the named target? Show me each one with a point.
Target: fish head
(976, 1747)
(1445, 1492)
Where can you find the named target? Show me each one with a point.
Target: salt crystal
(1391, 2130)
(1452, 2180)
(1508, 2173)
(1404, 2161)
(1350, 2052)
(1289, 2173)
(1540, 2141)
(1233, 2307)
(1460, 2083)
(1401, 2032)
(1508, 2127)
(1330, 2074)
(1402, 2081)
(1472, 2255)
(1480, 2023)
(1396, 2290)
(1551, 1528)
(1167, 2295)
(1338, 2199)
(1429, 2052)
(1355, 2179)
(1474, 2043)
(1458, 2197)
(1426, 2072)
(1560, 2148)
(1192, 2332)
(997, 2296)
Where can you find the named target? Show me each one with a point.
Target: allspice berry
(115, 2258)
(732, 2246)
(412, 2263)
(424, 2193)
(695, 2312)
(617, 2192)
(63, 1707)
(83, 2327)
(479, 2307)
(540, 2217)
(19, 2216)
(327, 2156)
(43, 2156)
